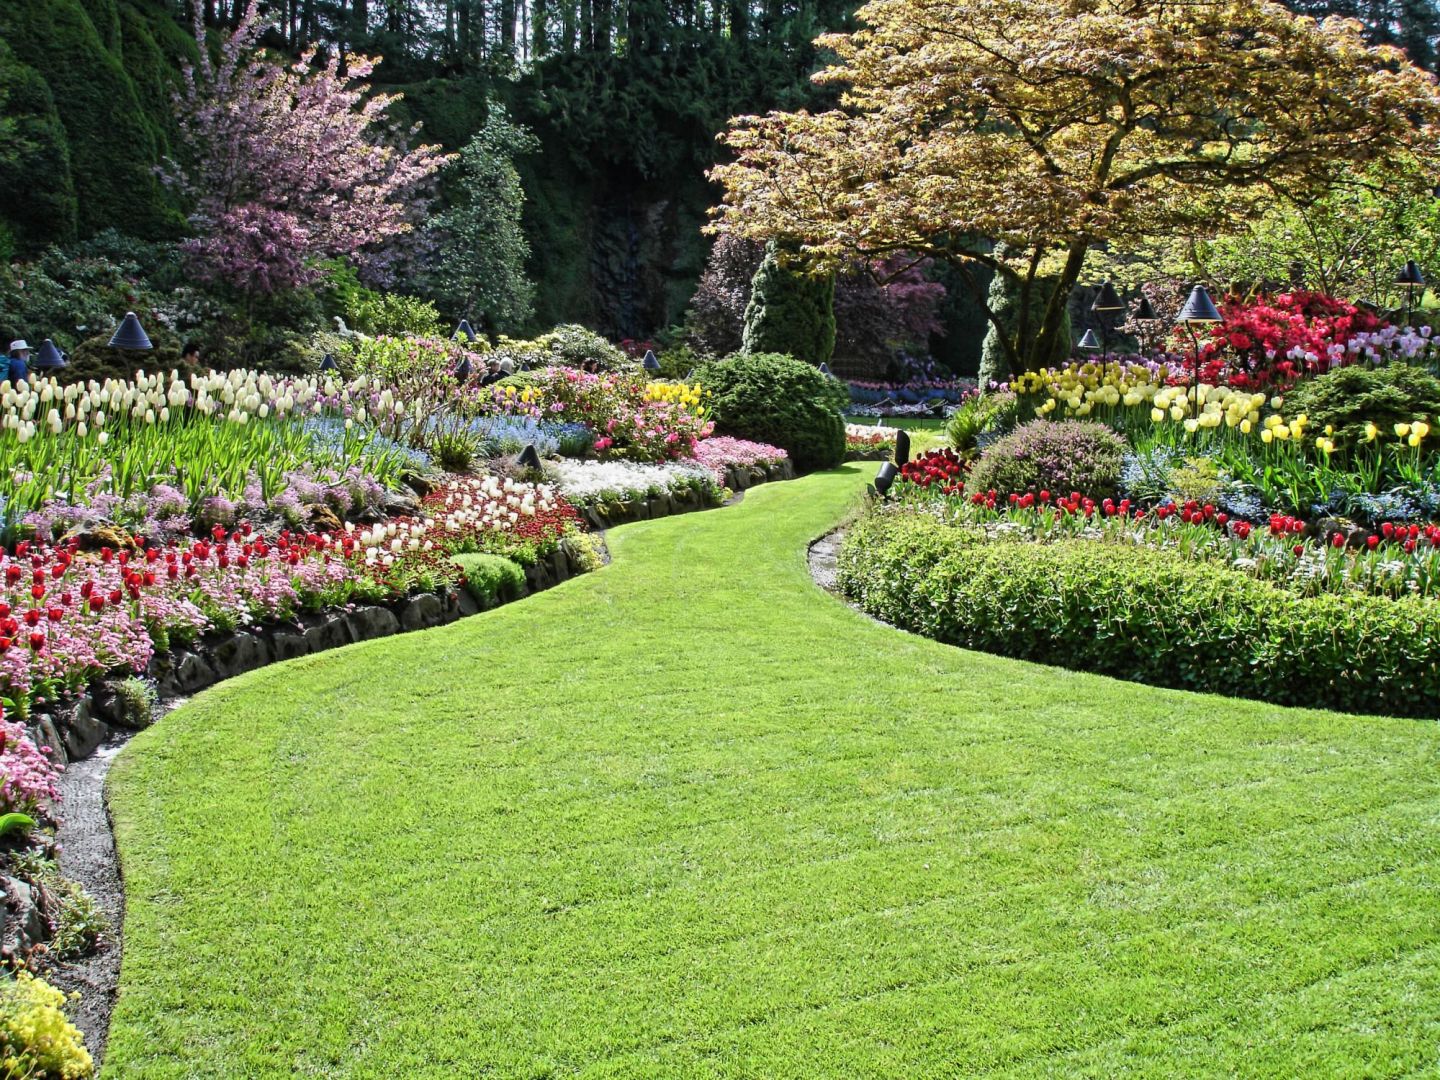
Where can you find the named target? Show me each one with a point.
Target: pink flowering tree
(288, 165)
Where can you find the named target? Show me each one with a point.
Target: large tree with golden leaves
(1059, 125)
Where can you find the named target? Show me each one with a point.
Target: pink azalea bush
(27, 776)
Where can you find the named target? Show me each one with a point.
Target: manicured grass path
(691, 817)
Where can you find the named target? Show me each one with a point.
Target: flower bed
(1139, 612)
(587, 483)
(866, 443)
(721, 454)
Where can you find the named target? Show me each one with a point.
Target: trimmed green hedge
(779, 400)
(1145, 615)
(491, 579)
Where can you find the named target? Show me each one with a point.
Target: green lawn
(691, 817)
(909, 423)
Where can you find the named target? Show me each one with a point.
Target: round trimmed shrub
(1349, 398)
(490, 579)
(1058, 456)
(1146, 615)
(776, 399)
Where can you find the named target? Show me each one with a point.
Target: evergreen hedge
(1145, 615)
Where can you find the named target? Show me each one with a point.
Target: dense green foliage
(778, 400)
(1060, 457)
(1004, 301)
(109, 67)
(480, 271)
(1349, 398)
(790, 311)
(491, 579)
(895, 859)
(1143, 614)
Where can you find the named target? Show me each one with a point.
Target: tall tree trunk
(539, 45)
(507, 26)
(739, 20)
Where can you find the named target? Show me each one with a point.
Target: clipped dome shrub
(776, 399)
(1350, 397)
(1058, 456)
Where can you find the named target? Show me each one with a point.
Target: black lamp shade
(130, 334)
(1107, 299)
(463, 369)
(902, 447)
(329, 364)
(48, 356)
(530, 457)
(1199, 308)
(1088, 340)
(651, 364)
(464, 330)
(1143, 311)
(886, 477)
(1410, 276)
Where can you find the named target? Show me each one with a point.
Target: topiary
(790, 311)
(1349, 398)
(777, 399)
(1063, 456)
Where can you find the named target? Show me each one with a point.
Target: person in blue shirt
(19, 362)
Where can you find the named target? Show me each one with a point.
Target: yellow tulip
(1413, 440)
(1245, 427)
(1420, 428)
(1402, 430)
(1157, 415)
(1267, 435)
(1371, 431)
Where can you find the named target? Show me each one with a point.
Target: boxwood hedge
(1145, 615)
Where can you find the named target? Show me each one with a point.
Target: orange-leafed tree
(1051, 127)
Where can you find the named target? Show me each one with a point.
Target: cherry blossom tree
(288, 165)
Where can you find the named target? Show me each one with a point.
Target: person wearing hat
(19, 361)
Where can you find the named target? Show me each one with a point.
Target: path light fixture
(130, 335)
(1088, 341)
(530, 457)
(1145, 313)
(47, 357)
(328, 363)
(902, 447)
(1106, 306)
(1409, 279)
(825, 370)
(886, 477)
(1199, 310)
(464, 330)
(650, 363)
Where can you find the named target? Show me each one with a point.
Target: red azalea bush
(1279, 339)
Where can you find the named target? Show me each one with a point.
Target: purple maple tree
(290, 164)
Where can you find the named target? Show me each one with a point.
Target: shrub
(373, 312)
(1350, 397)
(976, 415)
(790, 311)
(94, 359)
(1064, 456)
(770, 398)
(1143, 614)
(76, 919)
(36, 1038)
(491, 579)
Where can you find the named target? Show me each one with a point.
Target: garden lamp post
(1088, 341)
(328, 363)
(885, 477)
(1145, 313)
(1199, 310)
(1409, 279)
(1107, 303)
(651, 364)
(464, 330)
(130, 335)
